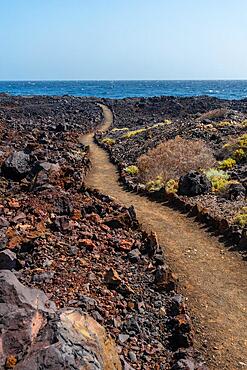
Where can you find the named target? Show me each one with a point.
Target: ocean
(224, 89)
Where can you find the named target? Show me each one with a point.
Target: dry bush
(174, 158)
(214, 114)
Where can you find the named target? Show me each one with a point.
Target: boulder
(164, 279)
(45, 166)
(194, 183)
(236, 191)
(34, 336)
(13, 293)
(63, 206)
(8, 260)
(16, 166)
(80, 343)
(134, 255)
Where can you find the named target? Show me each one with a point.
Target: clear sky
(123, 39)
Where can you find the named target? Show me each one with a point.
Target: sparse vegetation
(130, 134)
(171, 186)
(224, 123)
(213, 114)
(241, 219)
(219, 179)
(227, 164)
(132, 170)
(174, 158)
(108, 141)
(236, 148)
(244, 123)
(242, 141)
(120, 129)
(155, 185)
(239, 154)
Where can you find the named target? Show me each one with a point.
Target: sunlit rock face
(36, 336)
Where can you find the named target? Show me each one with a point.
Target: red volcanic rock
(35, 336)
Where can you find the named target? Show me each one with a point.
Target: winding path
(213, 279)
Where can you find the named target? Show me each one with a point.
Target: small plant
(235, 149)
(171, 186)
(241, 219)
(244, 123)
(239, 154)
(108, 141)
(167, 122)
(224, 123)
(242, 141)
(218, 178)
(160, 124)
(227, 164)
(226, 145)
(131, 170)
(120, 129)
(219, 184)
(214, 172)
(155, 185)
(130, 134)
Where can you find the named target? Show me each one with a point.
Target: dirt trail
(213, 279)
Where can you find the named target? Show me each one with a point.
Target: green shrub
(234, 150)
(108, 141)
(218, 178)
(214, 172)
(242, 142)
(171, 186)
(132, 170)
(244, 123)
(241, 219)
(155, 185)
(224, 123)
(239, 154)
(227, 164)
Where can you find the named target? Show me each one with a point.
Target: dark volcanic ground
(77, 245)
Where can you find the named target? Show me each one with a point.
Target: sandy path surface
(212, 278)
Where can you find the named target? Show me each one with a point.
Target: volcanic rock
(164, 278)
(236, 191)
(16, 294)
(7, 260)
(16, 166)
(112, 278)
(134, 255)
(34, 336)
(194, 183)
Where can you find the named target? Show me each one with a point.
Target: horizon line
(114, 80)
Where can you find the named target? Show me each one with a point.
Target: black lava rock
(16, 166)
(194, 183)
(236, 191)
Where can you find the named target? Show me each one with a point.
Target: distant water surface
(224, 89)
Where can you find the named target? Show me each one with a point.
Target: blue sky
(123, 39)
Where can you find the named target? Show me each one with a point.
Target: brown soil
(213, 278)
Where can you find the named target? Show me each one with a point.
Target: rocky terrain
(141, 124)
(109, 299)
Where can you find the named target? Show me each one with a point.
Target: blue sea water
(224, 89)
